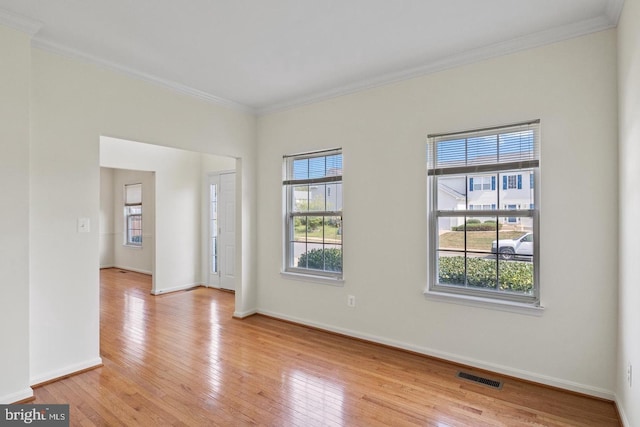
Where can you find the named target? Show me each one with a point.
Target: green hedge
(475, 225)
(327, 259)
(514, 276)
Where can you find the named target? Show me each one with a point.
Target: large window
(483, 240)
(133, 214)
(313, 218)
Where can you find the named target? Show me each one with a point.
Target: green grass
(316, 234)
(476, 240)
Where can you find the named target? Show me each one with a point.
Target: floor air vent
(484, 381)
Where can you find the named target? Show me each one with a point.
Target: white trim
(20, 22)
(614, 10)
(135, 270)
(17, 396)
(244, 314)
(72, 369)
(327, 280)
(518, 44)
(623, 415)
(175, 289)
(499, 369)
(489, 303)
(56, 48)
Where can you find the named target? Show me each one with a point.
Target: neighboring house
(487, 192)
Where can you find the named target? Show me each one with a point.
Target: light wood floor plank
(180, 359)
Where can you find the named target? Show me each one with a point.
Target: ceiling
(268, 55)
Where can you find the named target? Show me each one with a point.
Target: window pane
(333, 230)
(481, 232)
(451, 193)
(300, 198)
(482, 194)
(481, 271)
(300, 228)
(314, 225)
(317, 197)
(451, 268)
(333, 258)
(515, 190)
(312, 257)
(334, 196)
(297, 249)
(451, 233)
(516, 275)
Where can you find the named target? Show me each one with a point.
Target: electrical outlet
(351, 300)
(629, 374)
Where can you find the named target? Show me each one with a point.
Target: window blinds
(313, 168)
(132, 194)
(491, 149)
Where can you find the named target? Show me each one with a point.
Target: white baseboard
(135, 270)
(623, 415)
(17, 396)
(107, 266)
(68, 370)
(505, 370)
(243, 314)
(174, 289)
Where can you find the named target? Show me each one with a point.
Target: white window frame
(289, 184)
(469, 167)
(132, 202)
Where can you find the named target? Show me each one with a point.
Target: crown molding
(614, 9)
(49, 46)
(518, 44)
(19, 22)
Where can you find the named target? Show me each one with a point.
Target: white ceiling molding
(47, 37)
(149, 78)
(499, 49)
(19, 22)
(614, 9)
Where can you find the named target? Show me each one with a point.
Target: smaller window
(133, 214)
(312, 184)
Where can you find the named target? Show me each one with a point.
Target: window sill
(132, 246)
(492, 304)
(333, 281)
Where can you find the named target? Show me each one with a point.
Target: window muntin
(313, 218)
(133, 214)
(475, 250)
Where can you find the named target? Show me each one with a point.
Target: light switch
(83, 225)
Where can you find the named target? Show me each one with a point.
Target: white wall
(73, 104)
(571, 87)
(107, 230)
(14, 215)
(629, 226)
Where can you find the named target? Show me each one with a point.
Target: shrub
(477, 226)
(481, 273)
(319, 259)
(473, 221)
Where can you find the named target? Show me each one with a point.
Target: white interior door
(222, 230)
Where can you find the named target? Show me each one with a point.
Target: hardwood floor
(180, 359)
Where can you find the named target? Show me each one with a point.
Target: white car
(510, 248)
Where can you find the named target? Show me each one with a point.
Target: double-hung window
(133, 214)
(312, 188)
(479, 251)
